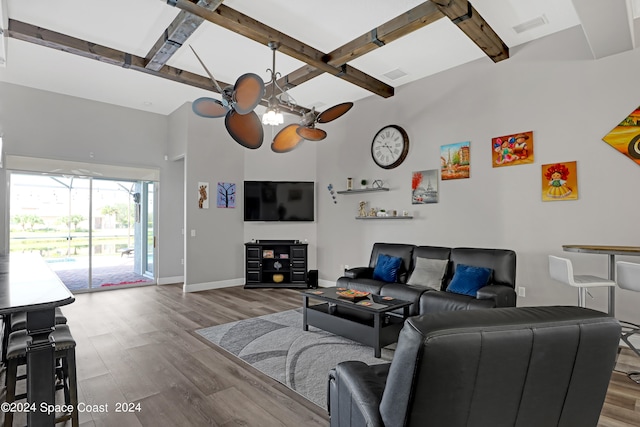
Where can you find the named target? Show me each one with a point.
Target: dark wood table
(611, 251)
(368, 321)
(28, 284)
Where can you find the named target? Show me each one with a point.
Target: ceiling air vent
(395, 74)
(529, 25)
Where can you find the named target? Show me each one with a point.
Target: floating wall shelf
(362, 190)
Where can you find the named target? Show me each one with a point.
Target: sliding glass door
(94, 233)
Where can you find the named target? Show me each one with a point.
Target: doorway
(94, 233)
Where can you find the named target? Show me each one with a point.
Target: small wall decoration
(626, 136)
(424, 187)
(455, 160)
(226, 195)
(333, 193)
(509, 150)
(203, 195)
(560, 181)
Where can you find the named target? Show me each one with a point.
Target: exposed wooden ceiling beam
(412, 20)
(47, 38)
(467, 18)
(239, 23)
(175, 35)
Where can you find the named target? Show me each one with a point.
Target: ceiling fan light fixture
(272, 117)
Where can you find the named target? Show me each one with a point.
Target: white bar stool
(628, 278)
(561, 270)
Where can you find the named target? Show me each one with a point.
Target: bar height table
(28, 284)
(611, 251)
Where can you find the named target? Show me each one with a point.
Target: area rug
(276, 345)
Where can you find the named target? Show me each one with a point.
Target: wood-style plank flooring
(138, 346)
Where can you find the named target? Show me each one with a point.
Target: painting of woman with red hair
(559, 181)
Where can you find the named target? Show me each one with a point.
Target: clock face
(390, 146)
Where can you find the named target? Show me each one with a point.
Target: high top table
(28, 284)
(611, 251)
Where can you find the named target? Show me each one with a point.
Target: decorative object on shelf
(560, 181)
(363, 184)
(236, 106)
(424, 187)
(203, 195)
(455, 160)
(394, 212)
(390, 147)
(349, 184)
(226, 195)
(509, 150)
(382, 213)
(405, 213)
(267, 253)
(277, 265)
(362, 211)
(333, 195)
(278, 277)
(626, 136)
(377, 184)
(372, 212)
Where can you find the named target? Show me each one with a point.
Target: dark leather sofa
(500, 292)
(526, 367)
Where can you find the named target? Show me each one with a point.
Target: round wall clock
(390, 147)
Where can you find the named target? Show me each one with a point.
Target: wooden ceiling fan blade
(312, 134)
(209, 107)
(287, 139)
(334, 112)
(245, 129)
(247, 92)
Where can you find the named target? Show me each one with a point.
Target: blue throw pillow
(467, 279)
(387, 268)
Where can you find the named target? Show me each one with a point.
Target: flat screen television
(279, 201)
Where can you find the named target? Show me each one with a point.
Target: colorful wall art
(226, 195)
(455, 160)
(509, 150)
(626, 136)
(560, 181)
(203, 195)
(424, 187)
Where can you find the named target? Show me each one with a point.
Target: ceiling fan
(237, 105)
(290, 136)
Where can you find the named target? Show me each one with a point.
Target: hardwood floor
(138, 346)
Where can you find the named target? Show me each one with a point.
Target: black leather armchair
(525, 367)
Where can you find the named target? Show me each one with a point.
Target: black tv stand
(266, 258)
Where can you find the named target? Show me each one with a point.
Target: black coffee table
(368, 321)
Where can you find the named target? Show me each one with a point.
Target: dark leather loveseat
(498, 292)
(531, 366)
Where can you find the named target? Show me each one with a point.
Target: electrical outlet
(182, 261)
(522, 291)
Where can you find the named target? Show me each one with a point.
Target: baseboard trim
(170, 280)
(326, 283)
(195, 287)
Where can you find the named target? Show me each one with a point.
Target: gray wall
(43, 124)
(551, 87)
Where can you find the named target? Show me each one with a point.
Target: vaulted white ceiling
(134, 26)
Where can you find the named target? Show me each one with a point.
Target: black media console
(268, 260)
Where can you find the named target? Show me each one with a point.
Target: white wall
(215, 255)
(552, 87)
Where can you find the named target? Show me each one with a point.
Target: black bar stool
(17, 321)
(16, 354)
